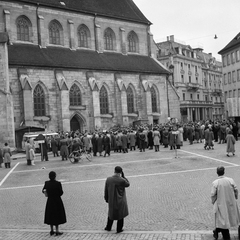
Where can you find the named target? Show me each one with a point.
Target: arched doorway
(76, 123)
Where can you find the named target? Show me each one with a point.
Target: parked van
(31, 137)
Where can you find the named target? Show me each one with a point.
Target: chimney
(167, 38)
(172, 38)
(210, 54)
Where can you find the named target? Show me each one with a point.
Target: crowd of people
(170, 135)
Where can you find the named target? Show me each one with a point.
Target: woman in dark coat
(54, 211)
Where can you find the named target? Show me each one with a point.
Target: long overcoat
(156, 138)
(165, 137)
(54, 211)
(1, 157)
(6, 154)
(63, 147)
(124, 140)
(230, 143)
(99, 144)
(115, 196)
(54, 145)
(132, 139)
(223, 195)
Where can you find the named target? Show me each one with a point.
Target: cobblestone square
(166, 193)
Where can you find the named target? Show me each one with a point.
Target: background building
(197, 77)
(231, 77)
(87, 64)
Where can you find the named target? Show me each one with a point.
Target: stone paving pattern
(169, 198)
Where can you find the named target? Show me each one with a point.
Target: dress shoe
(215, 234)
(59, 233)
(119, 231)
(52, 232)
(106, 229)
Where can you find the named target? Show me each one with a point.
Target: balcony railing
(217, 92)
(196, 103)
(192, 86)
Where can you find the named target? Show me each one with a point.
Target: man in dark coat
(115, 196)
(106, 144)
(54, 146)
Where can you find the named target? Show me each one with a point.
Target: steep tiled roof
(232, 44)
(121, 9)
(57, 57)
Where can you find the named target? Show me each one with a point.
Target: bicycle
(78, 155)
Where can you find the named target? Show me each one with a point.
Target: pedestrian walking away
(7, 155)
(54, 211)
(115, 196)
(224, 193)
(230, 143)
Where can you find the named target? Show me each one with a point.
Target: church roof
(233, 43)
(120, 9)
(57, 57)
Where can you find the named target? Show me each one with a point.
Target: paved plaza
(169, 197)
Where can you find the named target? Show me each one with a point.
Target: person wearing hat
(115, 196)
(224, 195)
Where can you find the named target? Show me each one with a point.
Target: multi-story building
(231, 76)
(197, 77)
(87, 65)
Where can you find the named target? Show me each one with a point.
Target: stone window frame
(84, 36)
(130, 100)
(103, 100)
(55, 31)
(133, 42)
(109, 39)
(24, 28)
(39, 101)
(154, 99)
(75, 95)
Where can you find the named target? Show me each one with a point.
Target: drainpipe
(38, 34)
(168, 107)
(95, 33)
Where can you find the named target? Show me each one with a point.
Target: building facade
(83, 64)
(197, 77)
(231, 77)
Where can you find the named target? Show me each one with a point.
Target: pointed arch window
(130, 100)
(23, 29)
(108, 39)
(132, 42)
(75, 96)
(154, 99)
(39, 101)
(83, 35)
(55, 30)
(103, 97)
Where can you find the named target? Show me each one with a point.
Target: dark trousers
(225, 233)
(119, 224)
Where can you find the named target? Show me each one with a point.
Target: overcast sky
(194, 22)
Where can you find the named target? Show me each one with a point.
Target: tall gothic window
(75, 96)
(109, 39)
(83, 33)
(130, 100)
(154, 99)
(55, 30)
(23, 29)
(39, 101)
(103, 97)
(132, 42)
